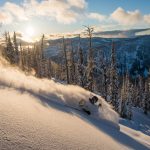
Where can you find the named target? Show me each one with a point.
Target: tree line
(96, 74)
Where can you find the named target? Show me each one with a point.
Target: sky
(36, 17)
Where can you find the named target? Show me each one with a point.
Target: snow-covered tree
(90, 65)
(72, 68)
(49, 68)
(66, 60)
(42, 47)
(125, 103)
(122, 103)
(9, 49)
(80, 66)
(102, 65)
(21, 60)
(113, 79)
(146, 97)
(140, 91)
(16, 51)
(129, 99)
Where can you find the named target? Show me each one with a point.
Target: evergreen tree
(42, 47)
(103, 77)
(72, 66)
(81, 70)
(49, 68)
(5, 51)
(42, 64)
(21, 58)
(129, 99)
(113, 79)
(146, 97)
(123, 98)
(90, 65)
(140, 91)
(125, 105)
(10, 54)
(66, 60)
(16, 51)
(135, 94)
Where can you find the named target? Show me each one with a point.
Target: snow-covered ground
(138, 127)
(34, 114)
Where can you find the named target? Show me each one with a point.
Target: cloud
(5, 17)
(15, 10)
(67, 12)
(78, 3)
(147, 18)
(59, 10)
(96, 16)
(126, 17)
(63, 11)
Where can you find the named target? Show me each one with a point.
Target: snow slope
(52, 92)
(27, 123)
(138, 127)
(33, 116)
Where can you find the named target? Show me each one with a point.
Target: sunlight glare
(30, 31)
(29, 34)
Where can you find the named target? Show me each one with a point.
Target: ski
(81, 110)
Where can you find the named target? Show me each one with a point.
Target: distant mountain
(123, 33)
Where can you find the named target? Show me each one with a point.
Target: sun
(29, 34)
(29, 31)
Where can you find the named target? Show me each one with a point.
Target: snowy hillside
(39, 114)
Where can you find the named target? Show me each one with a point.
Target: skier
(93, 100)
(92, 106)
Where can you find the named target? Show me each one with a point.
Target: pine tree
(113, 80)
(103, 77)
(146, 97)
(10, 54)
(80, 66)
(129, 99)
(29, 59)
(140, 91)
(90, 65)
(5, 51)
(105, 81)
(125, 105)
(123, 98)
(21, 58)
(16, 51)
(42, 47)
(40, 59)
(135, 94)
(37, 60)
(66, 60)
(49, 68)
(72, 66)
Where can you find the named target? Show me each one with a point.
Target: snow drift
(69, 95)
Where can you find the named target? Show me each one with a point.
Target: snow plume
(50, 91)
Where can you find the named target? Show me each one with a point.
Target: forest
(96, 74)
